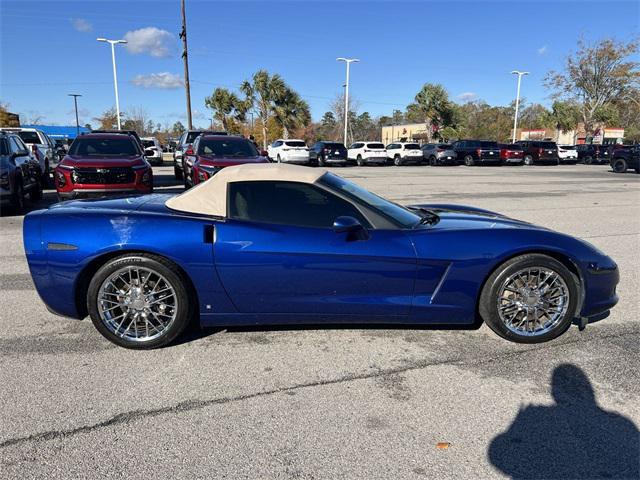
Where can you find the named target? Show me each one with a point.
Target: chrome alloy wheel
(532, 301)
(137, 304)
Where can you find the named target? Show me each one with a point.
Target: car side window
(288, 203)
(14, 146)
(4, 148)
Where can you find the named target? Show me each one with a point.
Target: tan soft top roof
(210, 197)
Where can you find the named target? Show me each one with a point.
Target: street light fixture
(115, 75)
(75, 101)
(515, 120)
(348, 61)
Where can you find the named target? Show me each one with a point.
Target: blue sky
(48, 49)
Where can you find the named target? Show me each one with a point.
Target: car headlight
(146, 177)
(61, 181)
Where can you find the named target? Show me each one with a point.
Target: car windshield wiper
(429, 217)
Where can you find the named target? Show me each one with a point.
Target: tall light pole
(115, 75)
(515, 119)
(185, 58)
(348, 61)
(75, 102)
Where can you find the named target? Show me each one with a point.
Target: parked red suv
(212, 153)
(511, 154)
(98, 164)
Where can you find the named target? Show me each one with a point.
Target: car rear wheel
(588, 160)
(529, 299)
(528, 160)
(432, 161)
(620, 165)
(359, 161)
(468, 161)
(139, 301)
(397, 161)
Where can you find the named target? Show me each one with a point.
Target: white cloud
(542, 50)
(164, 80)
(467, 96)
(81, 25)
(151, 40)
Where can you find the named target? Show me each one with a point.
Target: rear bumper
(514, 161)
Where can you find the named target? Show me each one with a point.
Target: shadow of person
(574, 438)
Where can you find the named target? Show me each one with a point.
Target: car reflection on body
(285, 244)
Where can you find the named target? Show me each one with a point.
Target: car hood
(102, 162)
(461, 217)
(229, 161)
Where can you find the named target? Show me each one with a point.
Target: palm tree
(290, 111)
(226, 106)
(261, 93)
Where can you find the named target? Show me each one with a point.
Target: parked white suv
(567, 154)
(404, 152)
(367, 152)
(41, 146)
(152, 143)
(288, 150)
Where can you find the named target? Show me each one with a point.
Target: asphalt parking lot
(347, 402)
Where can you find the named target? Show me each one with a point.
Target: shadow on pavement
(574, 438)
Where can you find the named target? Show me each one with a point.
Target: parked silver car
(439, 154)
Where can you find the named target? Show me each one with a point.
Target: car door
(23, 161)
(277, 253)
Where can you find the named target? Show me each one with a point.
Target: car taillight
(540, 151)
(479, 152)
(189, 150)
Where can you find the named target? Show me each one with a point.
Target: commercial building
(419, 132)
(602, 135)
(59, 132)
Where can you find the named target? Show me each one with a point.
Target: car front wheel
(359, 161)
(529, 299)
(468, 161)
(528, 160)
(397, 161)
(139, 301)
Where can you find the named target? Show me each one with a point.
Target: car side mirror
(352, 227)
(149, 153)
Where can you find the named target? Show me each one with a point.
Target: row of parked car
(106, 162)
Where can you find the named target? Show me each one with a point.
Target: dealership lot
(347, 402)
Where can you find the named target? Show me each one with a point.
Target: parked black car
(589, 153)
(539, 151)
(20, 172)
(328, 153)
(625, 157)
(475, 152)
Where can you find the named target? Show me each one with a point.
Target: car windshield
(296, 143)
(375, 145)
(104, 147)
(29, 137)
(191, 136)
(227, 147)
(412, 146)
(397, 213)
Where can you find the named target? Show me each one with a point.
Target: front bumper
(600, 285)
(103, 192)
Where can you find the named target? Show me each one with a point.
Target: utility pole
(75, 101)
(515, 120)
(348, 61)
(113, 43)
(185, 58)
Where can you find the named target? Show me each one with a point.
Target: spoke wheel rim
(533, 301)
(137, 304)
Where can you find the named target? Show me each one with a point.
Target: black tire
(488, 305)
(165, 268)
(278, 159)
(35, 194)
(528, 160)
(44, 179)
(469, 161)
(321, 162)
(359, 161)
(177, 172)
(397, 161)
(588, 160)
(433, 161)
(17, 199)
(619, 165)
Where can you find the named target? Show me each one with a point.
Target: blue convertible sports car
(282, 244)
